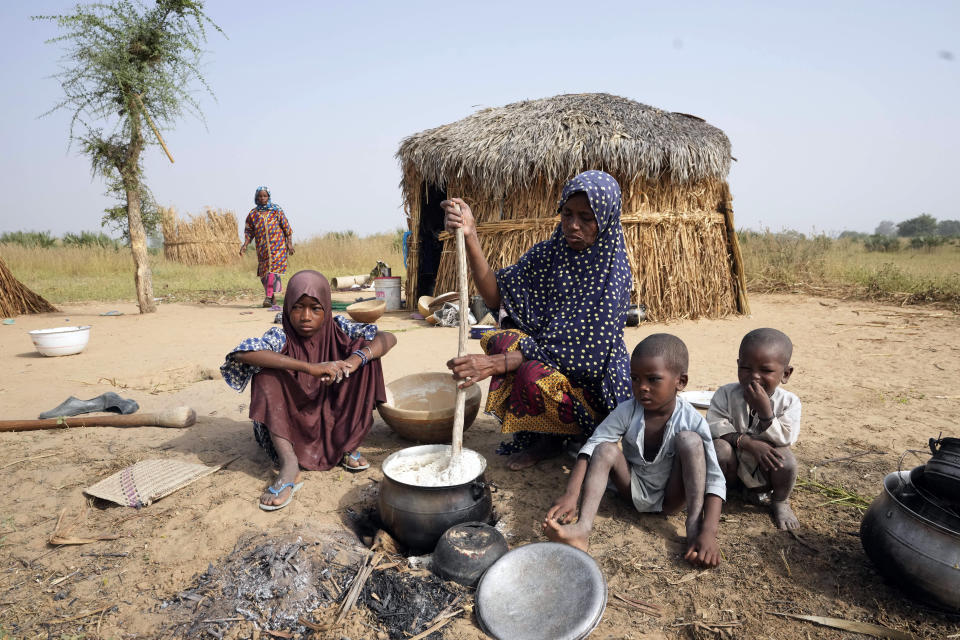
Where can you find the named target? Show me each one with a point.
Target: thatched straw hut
(211, 238)
(16, 298)
(510, 164)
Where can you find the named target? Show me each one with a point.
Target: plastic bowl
(368, 311)
(61, 341)
(420, 407)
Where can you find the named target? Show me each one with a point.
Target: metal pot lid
(541, 591)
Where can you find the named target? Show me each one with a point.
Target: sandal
(355, 456)
(294, 487)
(267, 303)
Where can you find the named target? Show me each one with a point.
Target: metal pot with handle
(417, 514)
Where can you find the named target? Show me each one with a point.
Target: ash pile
(298, 584)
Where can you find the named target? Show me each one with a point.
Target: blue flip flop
(274, 507)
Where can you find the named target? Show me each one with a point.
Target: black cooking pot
(942, 471)
(913, 543)
(466, 550)
(418, 515)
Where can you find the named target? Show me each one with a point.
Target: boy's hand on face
(758, 400)
(766, 454)
(564, 509)
(704, 551)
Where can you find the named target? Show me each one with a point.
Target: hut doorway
(431, 224)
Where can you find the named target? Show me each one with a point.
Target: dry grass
(785, 262)
(73, 274)
(791, 262)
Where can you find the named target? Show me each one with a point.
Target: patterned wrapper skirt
(535, 398)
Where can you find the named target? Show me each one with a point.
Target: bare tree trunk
(142, 277)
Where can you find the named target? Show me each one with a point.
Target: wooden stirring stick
(462, 347)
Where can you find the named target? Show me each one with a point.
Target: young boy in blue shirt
(667, 459)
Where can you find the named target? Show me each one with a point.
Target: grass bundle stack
(16, 299)
(510, 164)
(211, 238)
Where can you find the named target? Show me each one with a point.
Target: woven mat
(149, 480)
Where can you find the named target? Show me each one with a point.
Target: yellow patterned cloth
(535, 398)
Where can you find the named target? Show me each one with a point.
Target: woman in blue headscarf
(267, 223)
(558, 365)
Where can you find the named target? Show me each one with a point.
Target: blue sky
(840, 114)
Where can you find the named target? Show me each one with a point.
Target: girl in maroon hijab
(315, 384)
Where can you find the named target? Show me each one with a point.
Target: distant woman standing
(268, 225)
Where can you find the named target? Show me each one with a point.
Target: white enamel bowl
(61, 341)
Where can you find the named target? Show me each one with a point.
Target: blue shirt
(626, 424)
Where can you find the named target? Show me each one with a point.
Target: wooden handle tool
(177, 418)
(457, 445)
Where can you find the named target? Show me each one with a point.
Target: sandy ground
(872, 378)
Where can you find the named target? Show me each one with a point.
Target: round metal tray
(541, 591)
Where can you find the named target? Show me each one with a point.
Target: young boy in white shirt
(755, 421)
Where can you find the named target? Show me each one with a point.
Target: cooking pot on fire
(421, 496)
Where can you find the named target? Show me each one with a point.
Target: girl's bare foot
(783, 516)
(571, 534)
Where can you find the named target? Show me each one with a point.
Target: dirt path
(872, 378)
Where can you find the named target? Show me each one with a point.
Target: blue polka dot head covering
(573, 304)
(264, 207)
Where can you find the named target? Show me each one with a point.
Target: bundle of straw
(210, 238)
(16, 298)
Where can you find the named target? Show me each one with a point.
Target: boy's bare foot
(571, 534)
(544, 448)
(693, 528)
(283, 478)
(783, 516)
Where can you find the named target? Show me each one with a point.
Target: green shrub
(926, 242)
(881, 243)
(90, 239)
(32, 239)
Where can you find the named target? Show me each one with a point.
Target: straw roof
(511, 147)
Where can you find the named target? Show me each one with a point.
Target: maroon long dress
(322, 422)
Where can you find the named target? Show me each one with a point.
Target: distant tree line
(923, 232)
(921, 226)
(46, 240)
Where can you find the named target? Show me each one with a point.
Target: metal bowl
(60, 341)
(542, 591)
(420, 407)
